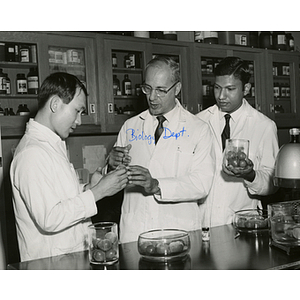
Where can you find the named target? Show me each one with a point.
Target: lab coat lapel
(215, 123)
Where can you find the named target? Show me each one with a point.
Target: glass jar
(279, 41)
(21, 84)
(265, 40)
(170, 35)
(2, 82)
(8, 84)
(33, 81)
(210, 37)
(116, 85)
(126, 85)
(114, 60)
(24, 53)
(290, 43)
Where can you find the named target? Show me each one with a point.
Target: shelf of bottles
(281, 88)
(69, 60)
(18, 78)
(127, 72)
(208, 65)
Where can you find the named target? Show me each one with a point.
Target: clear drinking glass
(236, 152)
(103, 243)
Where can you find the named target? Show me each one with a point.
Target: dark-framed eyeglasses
(147, 90)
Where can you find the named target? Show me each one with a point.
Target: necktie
(226, 131)
(159, 129)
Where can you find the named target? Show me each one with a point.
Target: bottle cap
(294, 131)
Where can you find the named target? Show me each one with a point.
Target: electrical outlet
(110, 108)
(92, 108)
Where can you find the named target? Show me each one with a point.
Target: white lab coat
(228, 193)
(52, 213)
(184, 167)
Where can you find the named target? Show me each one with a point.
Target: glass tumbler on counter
(285, 222)
(103, 243)
(236, 152)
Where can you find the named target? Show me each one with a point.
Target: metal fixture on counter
(287, 165)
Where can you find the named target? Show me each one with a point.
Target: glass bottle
(199, 36)
(156, 35)
(2, 82)
(116, 85)
(8, 85)
(127, 62)
(11, 112)
(126, 85)
(21, 84)
(20, 109)
(170, 35)
(1, 111)
(279, 41)
(25, 111)
(24, 53)
(265, 40)
(294, 135)
(290, 43)
(114, 60)
(210, 37)
(253, 39)
(33, 81)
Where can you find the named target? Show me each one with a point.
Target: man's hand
(111, 183)
(119, 156)
(246, 173)
(141, 176)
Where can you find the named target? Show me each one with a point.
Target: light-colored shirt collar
(170, 115)
(235, 115)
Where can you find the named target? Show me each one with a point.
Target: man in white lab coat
(169, 177)
(52, 208)
(234, 189)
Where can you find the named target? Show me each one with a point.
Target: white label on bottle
(281, 39)
(22, 86)
(33, 82)
(127, 86)
(24, 55)
(210, 34)
(2, 84)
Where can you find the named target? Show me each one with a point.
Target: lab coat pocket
(184, 159)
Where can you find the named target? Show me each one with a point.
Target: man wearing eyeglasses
(168, 152)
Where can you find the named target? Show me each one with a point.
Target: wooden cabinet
(282, 91)
(208, 56)
(114, 104)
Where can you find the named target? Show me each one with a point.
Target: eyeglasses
(147, 89)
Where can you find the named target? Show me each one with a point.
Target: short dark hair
(169, 61)
(63, 85)
(234, 66)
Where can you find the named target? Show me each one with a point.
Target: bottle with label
(21, 84)
(290, 43)
(199, 36)
(114, 60)
(25, 111)
(276, 90)
(265, 40)
(8, 84)
(33, 81)
(24, 53)
(210, 37)
(9, 52)
(116, 85)
(2, 82)
(170, 35)
(126, 86)
(127, 62)
(1, 111)
(132, 60)
(279, 41)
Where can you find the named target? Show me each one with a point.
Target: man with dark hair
(52, 208)
(235, 188)
(168, 173)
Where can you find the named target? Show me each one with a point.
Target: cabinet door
(283, 88)
(209, 57)
(123, 99)
(74, 55)
(206, 59)
(179, 54)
